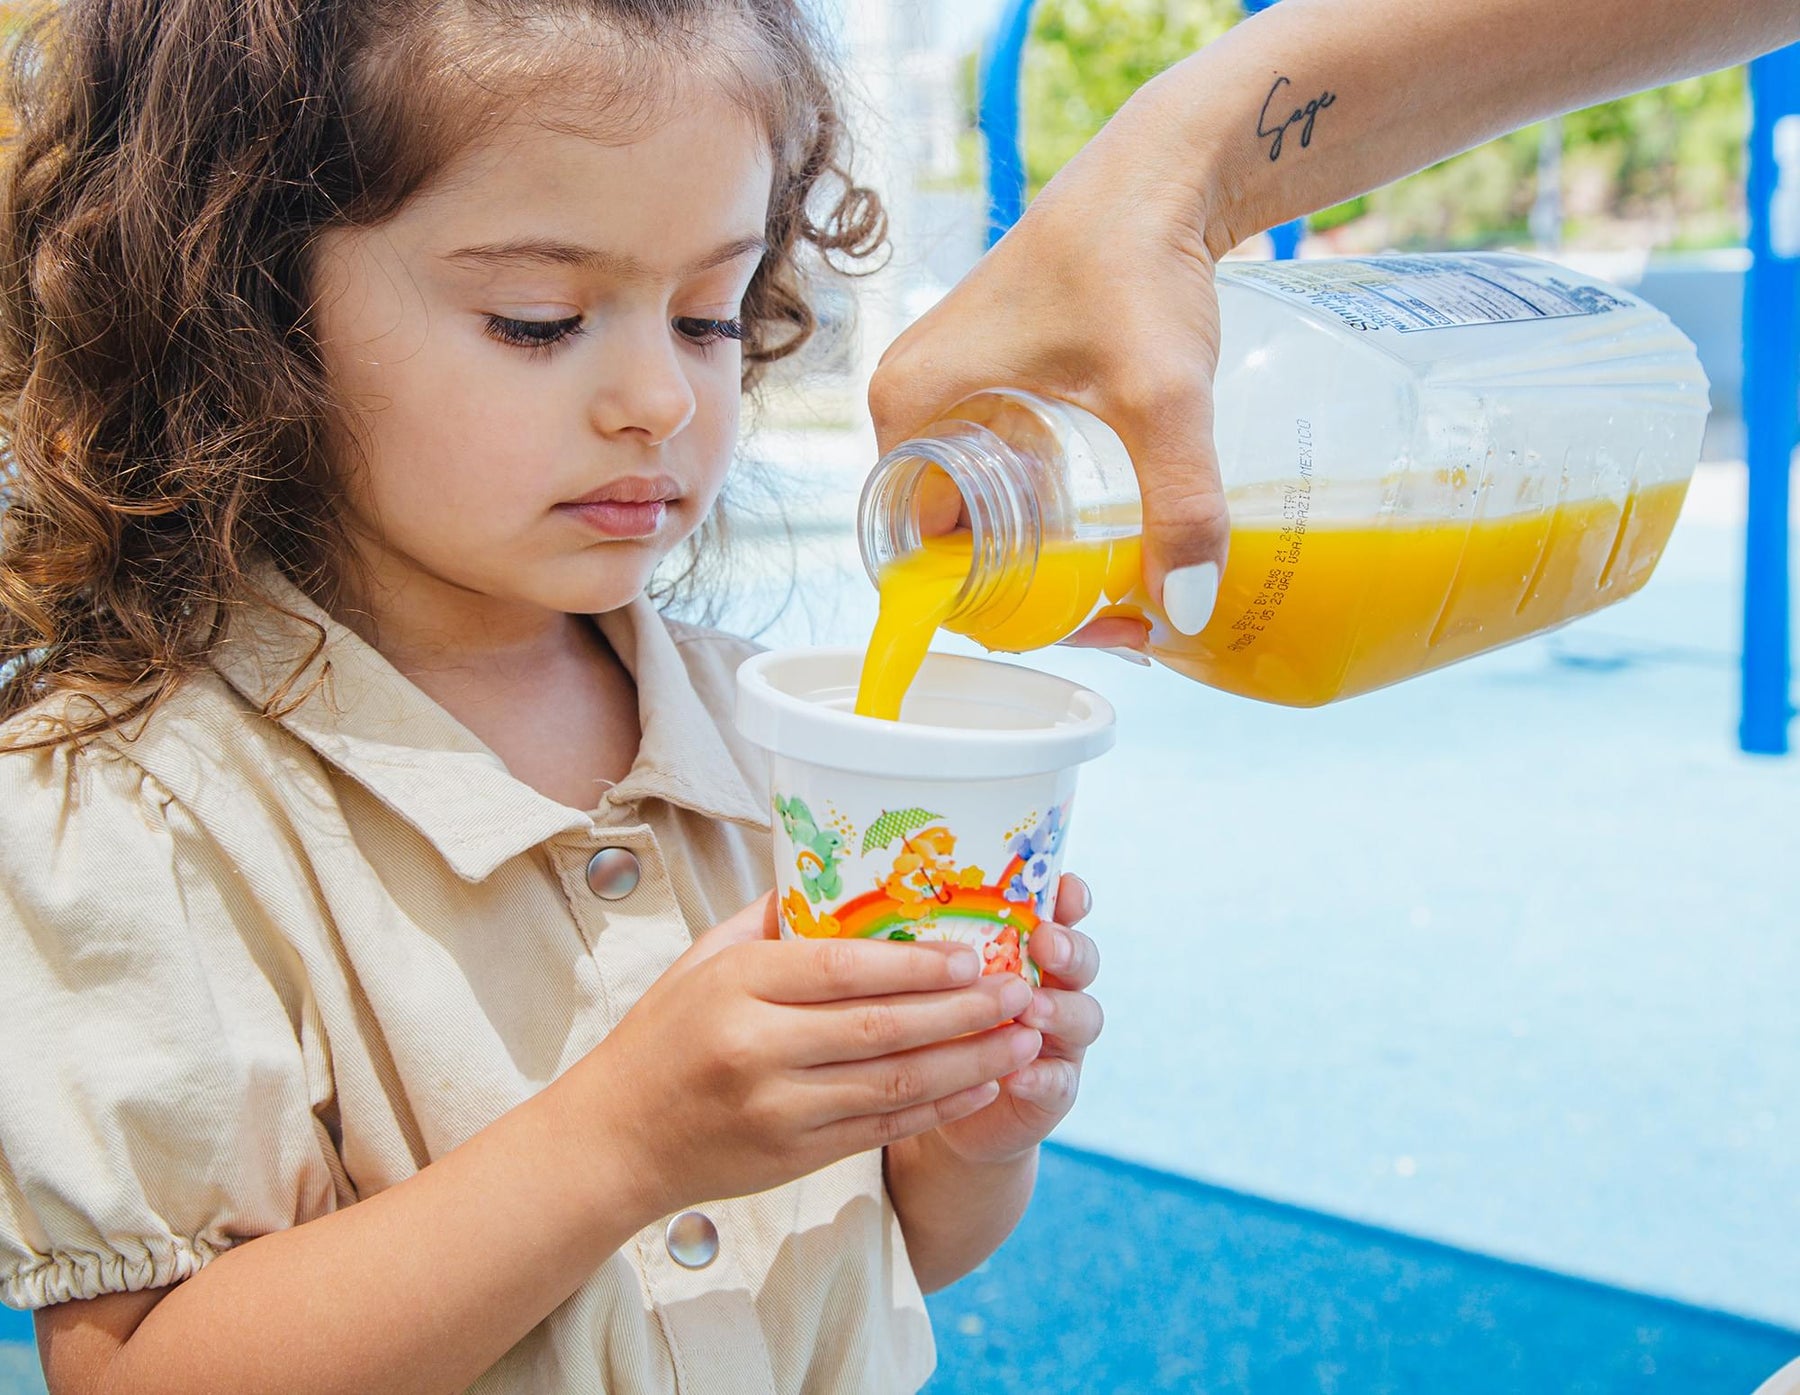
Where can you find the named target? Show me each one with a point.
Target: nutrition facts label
(1409, 294)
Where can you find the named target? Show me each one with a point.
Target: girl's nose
(644, 391)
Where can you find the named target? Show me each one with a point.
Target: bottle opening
(961, 501)
(912, 503)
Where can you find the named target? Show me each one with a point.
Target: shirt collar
(343, 699)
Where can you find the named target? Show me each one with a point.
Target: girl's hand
(1034, 1098)
(755, 1060)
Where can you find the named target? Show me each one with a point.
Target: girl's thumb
(757, 921)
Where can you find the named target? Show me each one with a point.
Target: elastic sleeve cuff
(64, 1275)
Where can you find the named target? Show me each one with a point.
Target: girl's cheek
(721, 446)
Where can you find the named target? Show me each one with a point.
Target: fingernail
(1131, 656)
(965, 966)
(1189, 595)
(1087, 896)
(1037, 1083)
(1048, 949)
(1015, 997)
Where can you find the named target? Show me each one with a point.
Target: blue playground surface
(1127, 1281)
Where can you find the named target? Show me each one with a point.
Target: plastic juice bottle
(1424, 457)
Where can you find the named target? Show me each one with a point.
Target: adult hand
(1102, 295)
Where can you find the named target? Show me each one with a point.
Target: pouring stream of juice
(1352, 605)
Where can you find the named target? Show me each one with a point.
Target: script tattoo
(1306, 114)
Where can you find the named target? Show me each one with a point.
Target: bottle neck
(960, 479)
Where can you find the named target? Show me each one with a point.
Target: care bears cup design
(948, 824)
(909, 874)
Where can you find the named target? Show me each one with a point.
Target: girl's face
(540, 354)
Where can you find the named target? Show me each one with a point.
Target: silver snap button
(612, 873)
(693, 1240)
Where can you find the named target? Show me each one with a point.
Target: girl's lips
(612, 519)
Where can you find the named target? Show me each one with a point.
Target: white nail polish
(1189, 595)
(1131, 655)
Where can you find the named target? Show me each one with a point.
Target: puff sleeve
(157, 1103)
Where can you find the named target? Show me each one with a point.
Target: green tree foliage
(1087, 56)
(1664, 167)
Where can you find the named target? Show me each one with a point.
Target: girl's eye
(533, 334)
(705, 332)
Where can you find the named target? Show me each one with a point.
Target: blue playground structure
(1771, 394)
(1771, 338)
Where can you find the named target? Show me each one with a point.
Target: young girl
(362, 820)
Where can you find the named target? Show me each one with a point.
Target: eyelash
(709, 332)
(543, 336)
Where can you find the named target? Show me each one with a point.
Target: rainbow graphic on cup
(907, 876)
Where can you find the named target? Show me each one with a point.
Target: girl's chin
(603, 578)
(586, 579)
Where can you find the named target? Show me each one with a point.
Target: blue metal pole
(1771, 394)
(1285, 238)
(998, 117)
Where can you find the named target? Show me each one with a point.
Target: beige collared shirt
(1786, 1381)
(254, 970)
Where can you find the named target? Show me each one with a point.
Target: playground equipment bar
(1771, 396)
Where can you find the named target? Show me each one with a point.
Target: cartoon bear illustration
(817, 851)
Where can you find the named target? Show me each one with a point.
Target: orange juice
(1305, 616)
(918, 594)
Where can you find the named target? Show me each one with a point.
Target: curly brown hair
(163, 407)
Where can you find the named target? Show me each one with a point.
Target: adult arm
(1413, 81)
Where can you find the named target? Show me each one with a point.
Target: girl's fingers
(1067, 1020)
(1069, 957)
(871, 1131)
(874, 1027)
(895, 1084)
(1073, 899)
(824, 971)
(1048, 1083)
